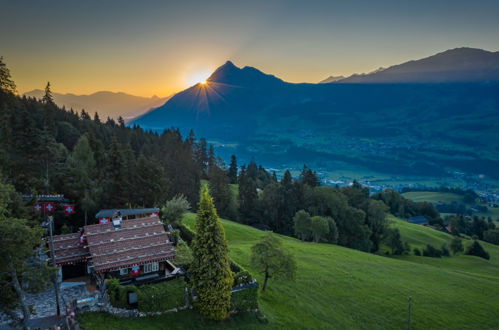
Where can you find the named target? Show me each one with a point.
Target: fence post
(409, 312)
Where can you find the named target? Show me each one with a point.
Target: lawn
(343, 288)
(340, 288)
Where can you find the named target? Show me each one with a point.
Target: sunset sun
(198, 77)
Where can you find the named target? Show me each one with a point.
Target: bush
(243, 277)
(175, 208)
(445, 251)
(475, 249)
(162, 296)
(183, 255)
(491, 236)
(417, 252)
(245, 299)
(431, 251)
(150, 297)
(118, 294)
(456, 245)
(186, 234)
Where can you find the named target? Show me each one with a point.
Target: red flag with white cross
(38, 207)
(69, 209)
(49, 207)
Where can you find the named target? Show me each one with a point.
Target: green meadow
(340, 288)
(433, 196)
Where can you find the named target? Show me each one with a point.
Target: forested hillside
(97, 164)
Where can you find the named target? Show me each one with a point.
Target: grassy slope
(342, 288)
(420, 236)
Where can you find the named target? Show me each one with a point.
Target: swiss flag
(38, 207)
(135, 270)
(49, 207)
(69, 209)
(154, 214)
(104, 220)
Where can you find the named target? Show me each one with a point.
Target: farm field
(338, 288)
(432, 196)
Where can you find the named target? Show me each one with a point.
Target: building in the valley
(131, 245)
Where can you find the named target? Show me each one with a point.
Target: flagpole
(52, 251)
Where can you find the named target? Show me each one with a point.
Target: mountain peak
(231, 74)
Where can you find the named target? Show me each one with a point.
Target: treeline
(406, 208)
(477, 227)
(303, 208)
(45, 149)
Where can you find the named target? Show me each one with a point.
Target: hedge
(151, 297)
(245, 299)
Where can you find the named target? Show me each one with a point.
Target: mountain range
(107, 104)
(432, 117)
(455, 65)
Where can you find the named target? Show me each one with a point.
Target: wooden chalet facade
(134, 251)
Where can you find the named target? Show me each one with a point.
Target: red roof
(68, 249)
(138, 241)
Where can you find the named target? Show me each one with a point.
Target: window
(123, 271)
(152, 267)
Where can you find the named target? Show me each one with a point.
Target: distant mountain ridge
(454, 65)
(331, 79)
(454, 123)
(106, 103)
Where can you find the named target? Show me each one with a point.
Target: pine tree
(220, 190)
(210, 270)
(47, 97)
(115, 194)
(6, 82)
(309, 177)
(248, 197)
(82, 175)
(233, 169)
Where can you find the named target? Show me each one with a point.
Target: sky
(161, 47)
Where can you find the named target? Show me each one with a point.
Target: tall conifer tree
(210, 270)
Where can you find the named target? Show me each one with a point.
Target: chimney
(117, 220)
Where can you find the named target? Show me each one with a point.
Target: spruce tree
(220, 190)
(233, 169)
(82, 171)
(6, 82)
(47, 97)
(210, 271)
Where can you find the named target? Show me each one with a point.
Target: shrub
(243, 277)
(162, 296)
(186, 233)
(475, 249)
(431, 251)
(456, 245)
(445, 251)
(491, 236)
(417, 252)
(183, 255)
(150, 297)
(175, 208)
(242, 300)
(118, 294)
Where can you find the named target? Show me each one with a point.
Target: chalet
(132, 246)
